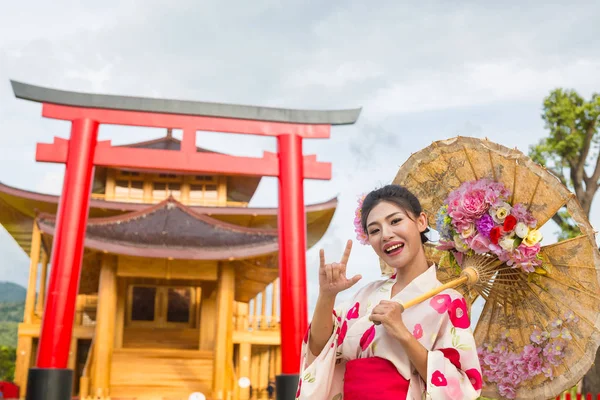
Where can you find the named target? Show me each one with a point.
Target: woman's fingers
(322, 258)
(346, 254)
(329, 273)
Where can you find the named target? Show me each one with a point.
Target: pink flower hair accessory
(361, 235)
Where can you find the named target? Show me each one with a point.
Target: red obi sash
(373, 378)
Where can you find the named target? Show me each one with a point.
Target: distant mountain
(12, 293)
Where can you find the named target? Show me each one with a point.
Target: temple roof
(167, 142)
(19, 207)
(171, 230)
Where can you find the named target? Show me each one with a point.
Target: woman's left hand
(389, 314)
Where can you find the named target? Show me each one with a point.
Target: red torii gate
(51, 380)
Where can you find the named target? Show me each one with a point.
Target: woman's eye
(396, 220)
(374, 231)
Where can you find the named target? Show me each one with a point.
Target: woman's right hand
(332, 277)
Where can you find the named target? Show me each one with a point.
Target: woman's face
(394, 234)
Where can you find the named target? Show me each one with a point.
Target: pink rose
(438, 379)
(367, 338)
(440, 303)
(458, 314)
(473, 204)
(480, 244)
(475, 378)
(353, 312)
(418, 331)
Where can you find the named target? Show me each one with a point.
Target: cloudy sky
(421, 73)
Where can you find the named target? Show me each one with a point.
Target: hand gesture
(389, 314)
(332, 277)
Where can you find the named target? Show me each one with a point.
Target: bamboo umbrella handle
(449, 285)
(469, 275)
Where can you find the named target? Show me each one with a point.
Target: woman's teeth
(394, 247)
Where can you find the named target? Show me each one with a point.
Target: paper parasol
(539, 331)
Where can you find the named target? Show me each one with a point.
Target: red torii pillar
(51, 380)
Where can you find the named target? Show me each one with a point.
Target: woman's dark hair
(398, 195)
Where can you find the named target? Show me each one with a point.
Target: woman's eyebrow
(388, 217)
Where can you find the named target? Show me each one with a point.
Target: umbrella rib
(574, 266)
(537, 185)
(469, 161)
(492, 165)
(583, 289)
(555, 299)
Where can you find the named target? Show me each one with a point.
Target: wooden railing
(253, 316)
(85, 311)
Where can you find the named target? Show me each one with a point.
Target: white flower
(522, 230)
(507, 243)
(500, 212)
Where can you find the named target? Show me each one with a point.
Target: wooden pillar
(34, 255)
(224, 331)
(245, 355)
(254, 372)
(274, 301)
(278, 360)
(255, 316)
(272, 367)
(242, 321)
(39, 307)
(208, 312)
(109, 191)
(120, 315)
(264, 373)
(263, 310)
(105, 326)
(25, 359)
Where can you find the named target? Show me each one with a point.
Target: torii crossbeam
(50, 379)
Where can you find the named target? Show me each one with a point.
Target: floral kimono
(440, 324)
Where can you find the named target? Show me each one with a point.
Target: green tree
(571, 152)
(8, 358)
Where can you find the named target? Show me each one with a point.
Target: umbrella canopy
(540, 327)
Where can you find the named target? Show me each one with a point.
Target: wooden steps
(160, 374)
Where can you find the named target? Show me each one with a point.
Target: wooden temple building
(178, 291)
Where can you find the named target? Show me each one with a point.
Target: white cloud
(481, 84)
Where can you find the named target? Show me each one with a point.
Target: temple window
(204, 190)
(160, 305)
(129, 186)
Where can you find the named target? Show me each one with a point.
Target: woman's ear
(422, 222)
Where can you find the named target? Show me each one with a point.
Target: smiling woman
(371, 343)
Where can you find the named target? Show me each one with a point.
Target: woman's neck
(411, 271)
